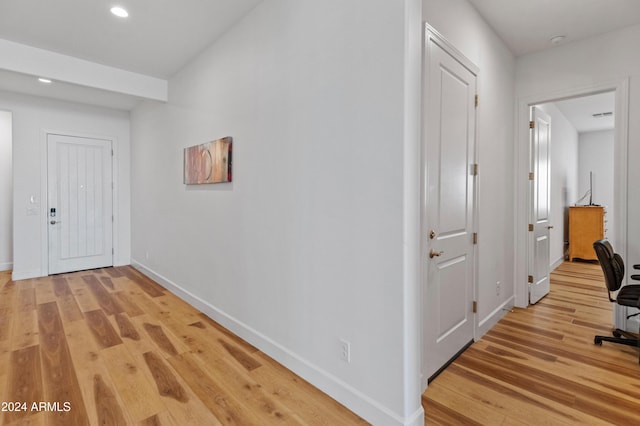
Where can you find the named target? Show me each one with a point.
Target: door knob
(433, 253)
(550, 227)
(53, 222)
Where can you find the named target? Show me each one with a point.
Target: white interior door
(80, 203)
(540, 205)
(448, 208)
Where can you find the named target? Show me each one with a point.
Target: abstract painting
(209, 162)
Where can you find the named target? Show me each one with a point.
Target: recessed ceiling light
(44, 80)
(119, 11)
(557, 39)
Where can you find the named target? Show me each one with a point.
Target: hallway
(540, 366)
(112, 347)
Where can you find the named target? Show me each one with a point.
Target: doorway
(80, 203)
(564, 196)
(579, 173)
(6, 191)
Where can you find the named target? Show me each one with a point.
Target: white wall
(609, 59)
(32, 118)
(305, 246)
(596, 155)
(563, 182)
(6, 191)
(460, 23)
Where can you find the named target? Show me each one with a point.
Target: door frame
(431, 34)
(44, 191)
(522, 161)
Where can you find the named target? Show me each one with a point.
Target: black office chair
(629, 295)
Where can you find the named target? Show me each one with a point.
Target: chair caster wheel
(616, 334)
(597, 341)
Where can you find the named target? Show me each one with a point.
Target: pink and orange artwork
(209, 162)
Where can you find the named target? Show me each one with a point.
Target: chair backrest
(612, 265)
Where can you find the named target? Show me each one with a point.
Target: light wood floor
(539, 366)
(111, 347)
(120, 349)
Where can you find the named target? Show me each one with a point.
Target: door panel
(452, 272)
(448, 208)
(80, 191)
(540, 149)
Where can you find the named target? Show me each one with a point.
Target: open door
(539, 224)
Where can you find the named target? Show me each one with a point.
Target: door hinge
(532, 176)
(532, 124)
(475, 238)
(530, 227)
(112, 152)
(113, 251)
(476, 101)
(475, 169)
(475, 307)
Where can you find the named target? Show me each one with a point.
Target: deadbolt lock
(432, 234)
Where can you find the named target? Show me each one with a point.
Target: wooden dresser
(586, 225)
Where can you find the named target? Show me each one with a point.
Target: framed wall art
(209, 162)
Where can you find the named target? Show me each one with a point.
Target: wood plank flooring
(121, 350)
(112, 347)
(539, 366)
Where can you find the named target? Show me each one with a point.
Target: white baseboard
(557, 263)
(6, 266)
(25, 275)
(496, 315)
(369, 409)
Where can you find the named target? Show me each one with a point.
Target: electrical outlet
(345, 351)
(497, 288)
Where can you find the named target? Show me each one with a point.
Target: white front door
(448, 207)
(540, 205)
(80, 203)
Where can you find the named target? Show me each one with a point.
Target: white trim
(621, 181)
(411, 300)
(43, 63)
(557, 263)
(370, 409)
(496, 315)
(7, 264)
(44, 189)
(26, 275)
(521, 171)
(431, 34)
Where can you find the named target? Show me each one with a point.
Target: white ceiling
(161, 36)
(580, 111)
(157, 38)
(527, 25)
